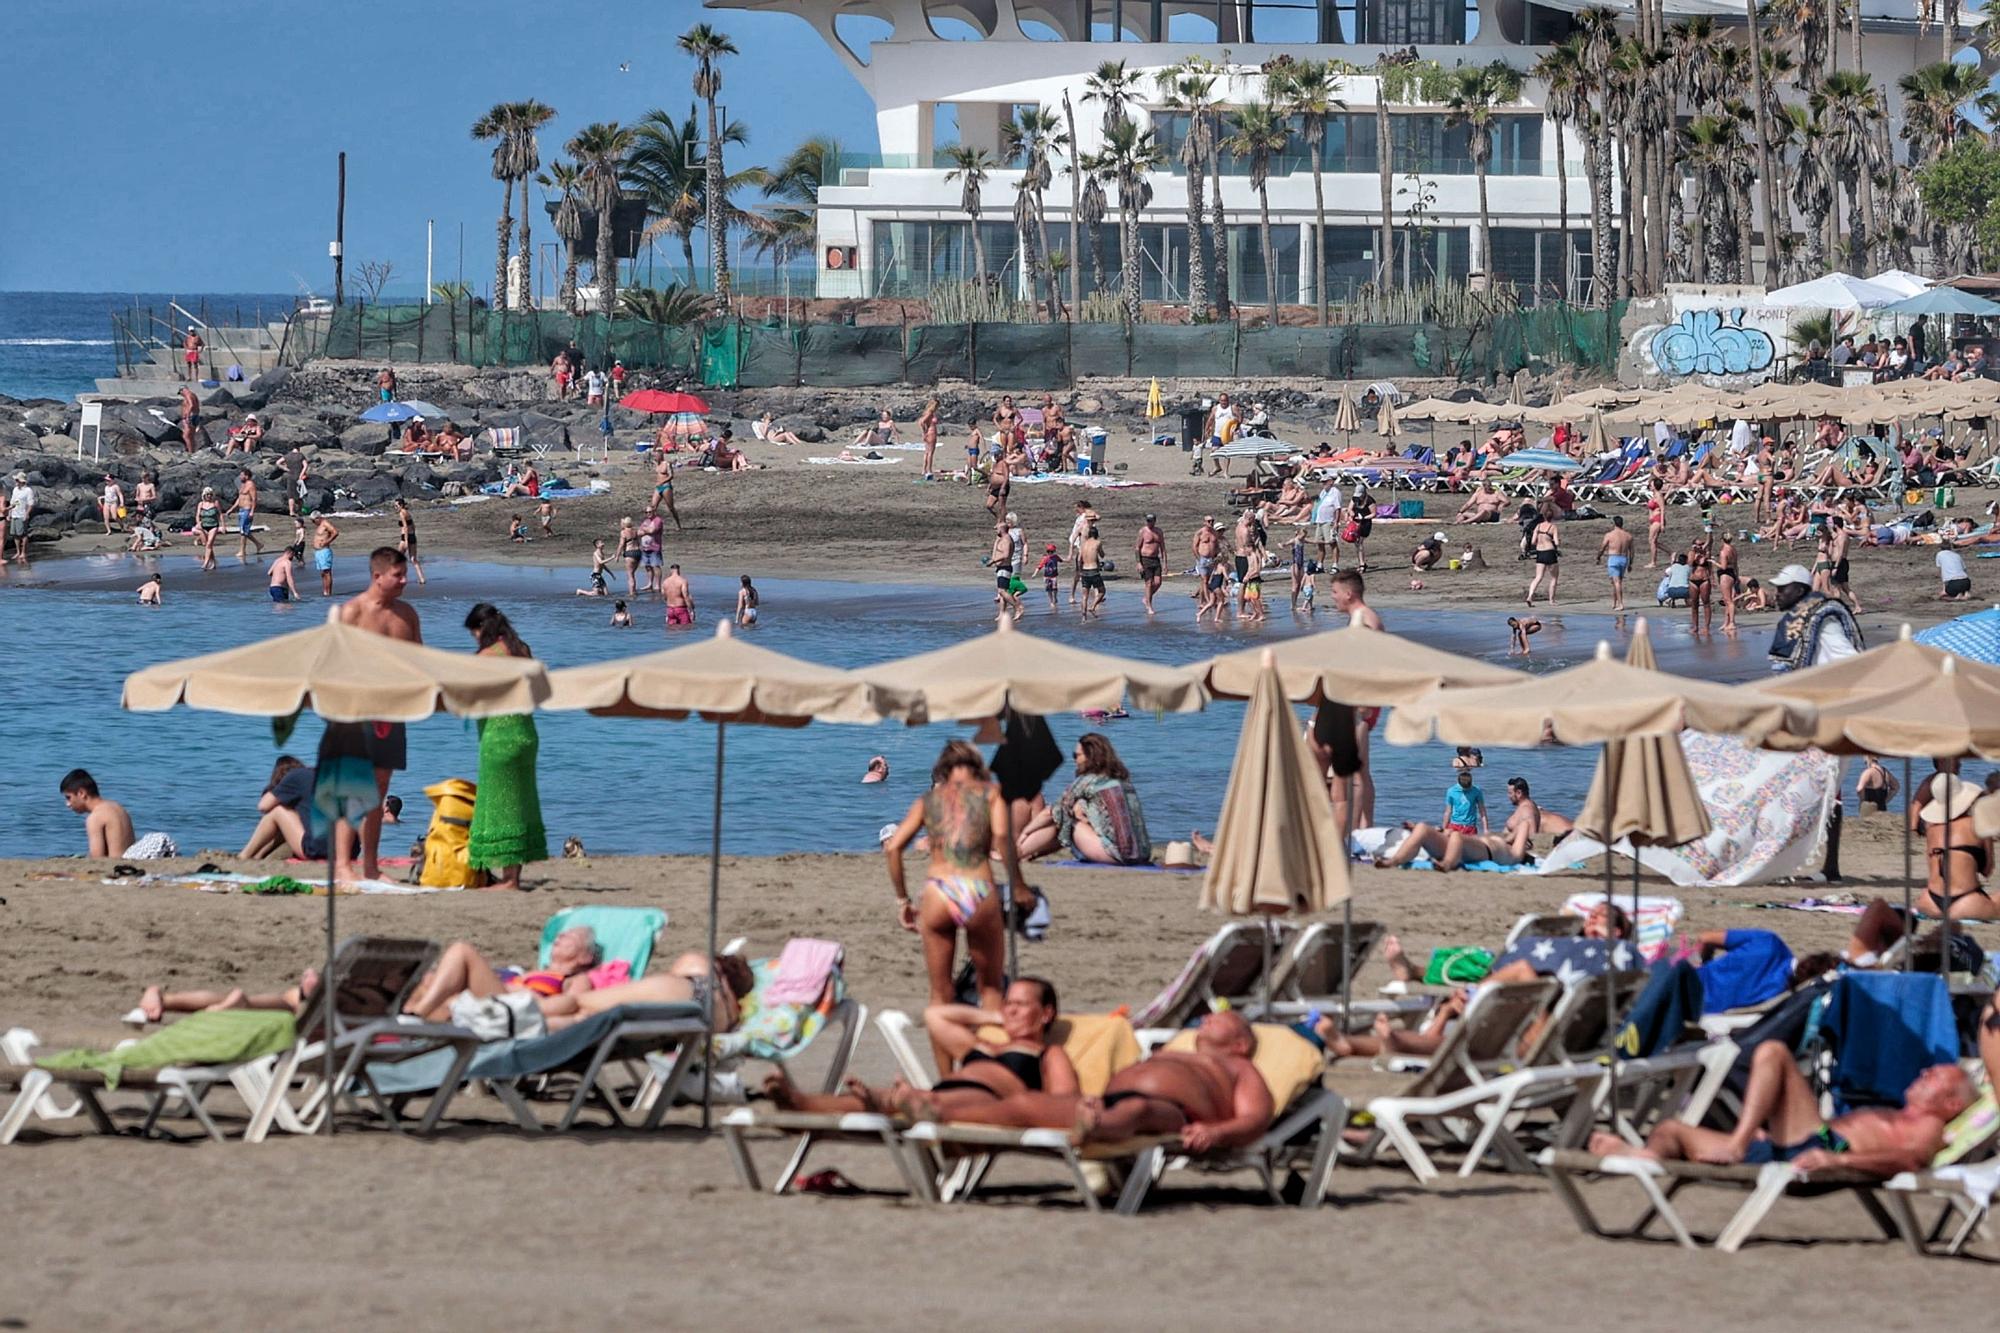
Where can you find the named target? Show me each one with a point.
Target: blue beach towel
(1885, 1029)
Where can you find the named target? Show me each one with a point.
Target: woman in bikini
(927, 423)
(1701, 587)
(628, 551)
(1656, 522)
(207, 523)
(983, 1071)
(1728, 582)
(965, 819)
(1959, 858)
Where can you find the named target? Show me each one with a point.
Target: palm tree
(1115, 88)
(568, 181)
(1812, 185)
(676, 193)
(497, 125)
(1847, 105)
(1260, 134)
(1934, 102)
(528, 117)
(790, 228)
(599, 150)
(708, 47)
(1710, 144)
(1129, 156)
(1399, 79)
(1091, 209)
(1187, 89)
(1475, 91)
(972, 166)
(1760, 107)
(1033, 136)
(1598, 27)
(1564, 102)
(1305, 89)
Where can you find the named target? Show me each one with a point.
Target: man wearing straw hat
(1812, 630)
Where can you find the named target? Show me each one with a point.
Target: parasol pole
(1347, 903)
(714, 900)
(325, 997)
(1909, 870)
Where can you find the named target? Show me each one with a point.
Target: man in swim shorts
(1207, 544)
(246, 509)
(324, 536)
(380, 609)
(1212, 1096)
(679, 599)
(1151, 551)
(1781, 1122)
(1616, 553)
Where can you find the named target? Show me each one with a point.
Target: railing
(852, 168)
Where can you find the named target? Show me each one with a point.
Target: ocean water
(638, 786)
(58, 344)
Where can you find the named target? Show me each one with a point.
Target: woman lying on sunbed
(462, 968)
(985, 1071)
(689, 979)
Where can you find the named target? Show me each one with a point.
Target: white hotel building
(952, 71)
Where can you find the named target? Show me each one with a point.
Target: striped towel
(504, 437)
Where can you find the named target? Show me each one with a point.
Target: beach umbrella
(1599, 700)
(1600, 435)
(1363, 668)
(1010, 668)
(1544, 460)
(1973, 638)
(395, 413)
(1385, 419)
(724, 680)
(1345, 419)
(1155, 409)
(1276, 847)
(1943, 301)
(346, 675)
(1514, 392)
(686, 425)
(663, 401)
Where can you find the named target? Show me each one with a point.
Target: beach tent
(724, 680)
(1834, 291)
(343, 674)
(1276, 847)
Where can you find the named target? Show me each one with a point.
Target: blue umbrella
(1545, 460)
(392, 413)
(1975, 637)
(1942, 301)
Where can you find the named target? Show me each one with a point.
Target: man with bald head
(1212, 1096)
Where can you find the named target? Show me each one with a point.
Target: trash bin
(1192, 421)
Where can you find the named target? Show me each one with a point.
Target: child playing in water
(517, 531)
(620, 617)
(598, 586)
(545, 514)
(1518, 629)
(149, 591)
(1051, 571)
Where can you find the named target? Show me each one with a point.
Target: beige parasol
(1345, 419)
(1600, 434)
(1385, 419)
(1010, 668)
(343, 674)
(1276, 846)
(1643, 791)
(1601, 700)
(1351, 665)
(725, 680)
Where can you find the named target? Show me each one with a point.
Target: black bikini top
(1026, 1067)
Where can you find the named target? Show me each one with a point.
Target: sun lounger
(624, 934)
(1227, 966)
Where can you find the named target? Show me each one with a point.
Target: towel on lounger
(232, 1036)
(801, 971)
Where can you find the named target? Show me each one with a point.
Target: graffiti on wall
(1711, 342)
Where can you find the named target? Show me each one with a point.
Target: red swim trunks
(1461, 828)
(679, 615)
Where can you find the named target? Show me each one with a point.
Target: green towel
(278, 884)
(232, 1036)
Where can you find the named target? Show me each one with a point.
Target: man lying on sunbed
(1212, 1096)
(1781, 1123)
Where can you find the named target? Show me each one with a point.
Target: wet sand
(375, 1231)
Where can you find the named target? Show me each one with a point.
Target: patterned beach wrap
(1769, 811)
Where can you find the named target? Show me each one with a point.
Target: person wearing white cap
(1959, 858)
(20, 507)
(1428, 552)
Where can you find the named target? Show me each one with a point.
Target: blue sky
(135, 164)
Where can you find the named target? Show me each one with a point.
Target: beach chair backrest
(627, 934)
(1585, 1016)
(372, 976)
(1316, 966)
(1228, 965)
(1551, 925)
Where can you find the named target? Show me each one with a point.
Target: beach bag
(447, 842)
(505, 1017)
(1450, 966)
(1352, 532)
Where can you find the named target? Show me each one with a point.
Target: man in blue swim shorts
(324, 536)
(1616, 553)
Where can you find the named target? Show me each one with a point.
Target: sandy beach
(373, 1231)
(884, 524)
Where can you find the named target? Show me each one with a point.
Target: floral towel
(775, 1031)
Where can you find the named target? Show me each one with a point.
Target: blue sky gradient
(189, 145)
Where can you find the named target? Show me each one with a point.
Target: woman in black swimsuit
(987, 1070)
(1959, 858)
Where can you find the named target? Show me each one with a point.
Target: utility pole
(339, 247)
(430, 235)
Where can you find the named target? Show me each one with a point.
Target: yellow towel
(1289, 1063)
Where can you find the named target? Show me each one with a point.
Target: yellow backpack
(447, 841)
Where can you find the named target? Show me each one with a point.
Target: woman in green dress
(507, 827)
